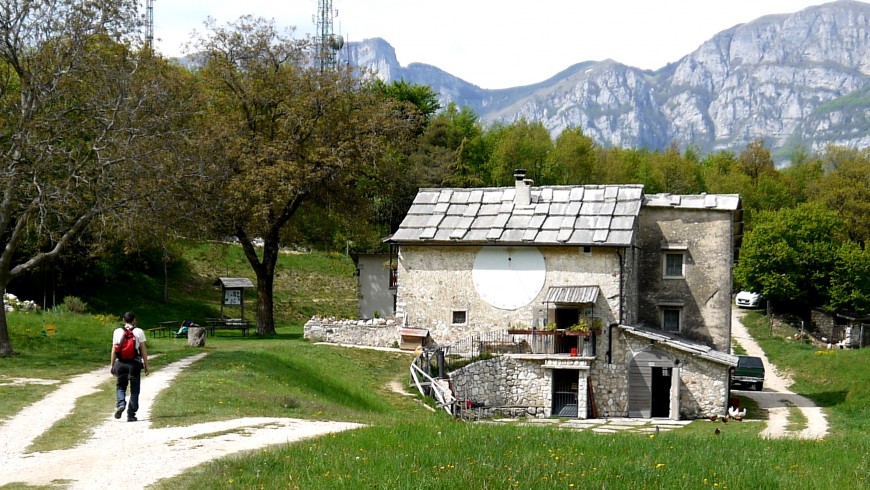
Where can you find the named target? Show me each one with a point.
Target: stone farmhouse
(649, 275)
(519, 269)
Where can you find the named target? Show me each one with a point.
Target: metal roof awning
(572, 295)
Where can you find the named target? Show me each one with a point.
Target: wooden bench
(165, 328)
(213, 324)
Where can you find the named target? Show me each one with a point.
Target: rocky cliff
(791, 79)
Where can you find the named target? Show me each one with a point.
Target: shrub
(73, 304)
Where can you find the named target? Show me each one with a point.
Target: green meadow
(404, 444)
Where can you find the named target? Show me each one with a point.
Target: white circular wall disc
(508, 277)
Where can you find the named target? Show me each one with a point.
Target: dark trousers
(128, 372)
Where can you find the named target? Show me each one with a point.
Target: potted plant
(584, 327)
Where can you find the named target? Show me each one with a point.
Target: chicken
(713, 417)
(736, 414)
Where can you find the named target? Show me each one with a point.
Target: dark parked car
(749, 371)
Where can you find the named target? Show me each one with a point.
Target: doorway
(565, 392)
(653, 385)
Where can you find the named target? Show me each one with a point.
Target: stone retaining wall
(505, 386)
(377, 332)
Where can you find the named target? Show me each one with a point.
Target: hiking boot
(120, 410)
(132, 418)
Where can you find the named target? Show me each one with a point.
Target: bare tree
(80, 115)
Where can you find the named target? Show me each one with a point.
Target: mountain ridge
(797, 79)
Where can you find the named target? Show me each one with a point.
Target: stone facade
(703, 292)
(523, 385)
(434, 282)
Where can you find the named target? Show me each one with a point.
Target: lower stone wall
(505, 386)
(703, 383)
(377, 332)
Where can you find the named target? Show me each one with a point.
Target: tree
(79, 113)
(522, 144)
(756, 161)
(845, 188)
(573, 157)
(277, 132)
(790, 254)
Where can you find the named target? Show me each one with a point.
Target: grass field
(405, 446)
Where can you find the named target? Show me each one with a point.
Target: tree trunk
(5, 344)
(265, 305)
(265, 271)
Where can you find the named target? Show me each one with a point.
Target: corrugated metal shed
(557, 215)
(572, 295)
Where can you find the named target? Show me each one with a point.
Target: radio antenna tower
(327, 43)
(149, 24)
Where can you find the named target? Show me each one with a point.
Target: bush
(73, 304)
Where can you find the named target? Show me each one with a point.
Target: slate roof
(723, 202)
(694, 348)
(594, 215)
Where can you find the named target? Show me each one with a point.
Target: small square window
(459, 318)
(673, 265)
(671, 319)
(587, 249)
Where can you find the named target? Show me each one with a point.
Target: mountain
(791, 79)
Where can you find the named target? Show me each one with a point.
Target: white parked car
(748, 299)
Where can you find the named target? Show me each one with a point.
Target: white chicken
(736, 414)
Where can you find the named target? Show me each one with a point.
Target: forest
(111, 152)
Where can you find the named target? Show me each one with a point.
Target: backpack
(126, 349)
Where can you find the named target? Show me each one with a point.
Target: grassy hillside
(403, 445)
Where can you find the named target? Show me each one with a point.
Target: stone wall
(506, 385)
(435, 281)
(517, 385)
(703, 383)
(704, 293)
(377, 332)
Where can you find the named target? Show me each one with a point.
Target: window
(459, 317)
(671, 319)
(673, 265)
(587, 249)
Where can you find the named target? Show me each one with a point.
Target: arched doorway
(653, 385)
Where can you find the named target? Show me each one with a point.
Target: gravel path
(155, 453)
(776, 398)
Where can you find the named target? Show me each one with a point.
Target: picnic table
(164, 328)
(213, 324)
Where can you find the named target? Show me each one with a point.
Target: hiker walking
(129, 358)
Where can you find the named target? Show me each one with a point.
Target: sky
(493, 43)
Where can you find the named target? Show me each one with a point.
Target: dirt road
(154, 453)
(776, 398)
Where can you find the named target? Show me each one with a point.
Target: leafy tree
(522, 144)
(573, 158)
(278, 133)
(850, 280)
(80, 115)
(845, 188)
(790, 254)
(756, 160)
(461, 172)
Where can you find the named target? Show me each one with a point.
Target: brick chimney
(523, 186)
